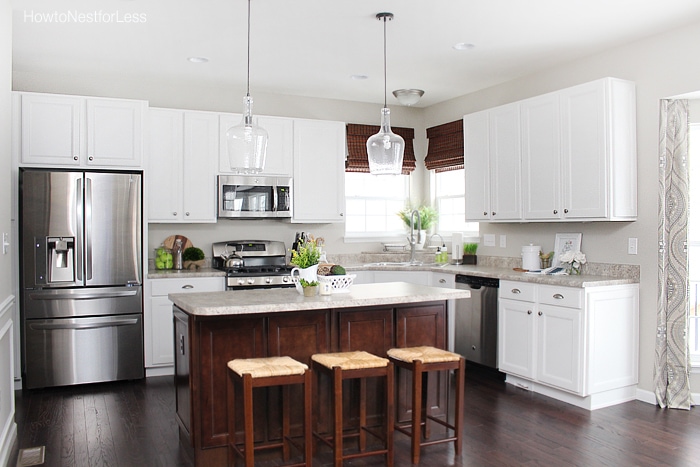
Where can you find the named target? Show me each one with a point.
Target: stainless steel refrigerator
(81, 282)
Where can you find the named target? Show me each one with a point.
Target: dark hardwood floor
(133, 424)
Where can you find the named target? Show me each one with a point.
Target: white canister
(531, 257)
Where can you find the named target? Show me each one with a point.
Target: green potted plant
(306, 261)
(310, 288)
(428, 218)
(469, 253)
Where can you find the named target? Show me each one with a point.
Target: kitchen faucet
(414, 238)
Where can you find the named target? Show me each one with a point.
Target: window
(694, 243)
(448, 193)
(371, 204)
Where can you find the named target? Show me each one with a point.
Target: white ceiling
(313, 47)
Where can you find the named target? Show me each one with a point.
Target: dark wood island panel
(205, 343)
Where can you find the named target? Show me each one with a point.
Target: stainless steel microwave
(254, 197)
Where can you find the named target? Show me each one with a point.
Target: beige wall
(661, 67)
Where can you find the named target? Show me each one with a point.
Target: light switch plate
(489, 239)
(632, 246)
(502, 240)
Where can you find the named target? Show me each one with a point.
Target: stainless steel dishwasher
(476, 320)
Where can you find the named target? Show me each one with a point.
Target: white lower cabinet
(579, 345)
(412, 277)
(158, 314)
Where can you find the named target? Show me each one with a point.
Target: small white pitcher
(309, 274)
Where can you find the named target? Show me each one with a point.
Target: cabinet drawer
(570, 297)
(522, 291)
(162, 287)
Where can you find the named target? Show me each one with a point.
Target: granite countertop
(287, 299)
(184, 273)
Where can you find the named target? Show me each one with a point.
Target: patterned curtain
(672, 366)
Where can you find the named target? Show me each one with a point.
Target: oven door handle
(93, 325)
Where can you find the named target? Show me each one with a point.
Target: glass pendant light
(247, 142)
(385, 149)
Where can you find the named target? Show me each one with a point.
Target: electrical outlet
(632, 246)
(489, 239)
(502, 240)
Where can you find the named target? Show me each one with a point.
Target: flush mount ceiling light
(408, 96)
(385, 149)
(247, 142)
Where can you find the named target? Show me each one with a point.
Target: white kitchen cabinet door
(559, 347)
(440, 279)
(477, 185)
(541, 157)
(516, 337)
(158, 314)
(50, 129)
(412, 277)
(200, 155)
(504, 160)
(164, 177)
(114, 132)
(319, 171)
(279, 159)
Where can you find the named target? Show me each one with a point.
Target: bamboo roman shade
(445, 147)
(357, 147)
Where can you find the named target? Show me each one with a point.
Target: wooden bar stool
(421, 360)
(265, 372)
(353, 365)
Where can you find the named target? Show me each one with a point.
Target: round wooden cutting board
(170, 242)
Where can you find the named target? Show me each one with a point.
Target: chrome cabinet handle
(556, 212)
(529, 312)
(187, 213)
(174, 213)
(515, 291)
(442, 281)
(566, 211)
(91, 158)
(493, 213)
(182, 344)
(486, 213)
(188, 286)
(539, 313)
(558, 296)
(75, 158)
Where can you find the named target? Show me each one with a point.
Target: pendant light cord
(384, 61)
(248, 64)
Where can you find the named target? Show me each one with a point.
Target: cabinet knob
(529, 312)
(473, 347)
(442, 281)
(486, 213)
(174, 213)
(515, 291)
(558, 296)
(182, 344)
(75, 158)
(187, 213)
(90, 158)
(539, 313)
(566, 211)
(556, 212)
(493, 213)
(341, 214)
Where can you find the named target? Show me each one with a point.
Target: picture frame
(564, 242)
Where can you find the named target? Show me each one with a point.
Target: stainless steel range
(252, 264)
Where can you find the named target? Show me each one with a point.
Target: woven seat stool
(356, 365)
(252, 373)
(421, 360)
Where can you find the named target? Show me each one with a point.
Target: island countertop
(237, 302)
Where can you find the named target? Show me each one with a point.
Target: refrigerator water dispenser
(60, 254)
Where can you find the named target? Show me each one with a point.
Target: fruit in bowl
(164, 258)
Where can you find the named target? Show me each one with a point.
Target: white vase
(309, 274)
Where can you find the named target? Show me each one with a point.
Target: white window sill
(374, 239)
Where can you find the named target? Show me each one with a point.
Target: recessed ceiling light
(359, 77)
(463, 46)
(198, 59)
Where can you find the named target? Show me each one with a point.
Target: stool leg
(390, 415)
(425, 404)
(230, 398)
(338, 417)
(363, 413)
(459, 405)
(308, 438)
(416, 411)
(248, 419)
(285, 423)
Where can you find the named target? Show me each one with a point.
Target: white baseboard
(650, 398)
(7, 444)
(160, 371)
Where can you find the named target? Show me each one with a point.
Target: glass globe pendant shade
(247, 143)
(385, 149)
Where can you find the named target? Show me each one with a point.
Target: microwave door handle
(274, 198)
(88, 228)
(79, 228)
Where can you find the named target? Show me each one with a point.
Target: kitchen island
(212, 328)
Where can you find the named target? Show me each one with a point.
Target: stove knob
(285, 279)
(268, 280)
(241, 282)
(251, 281)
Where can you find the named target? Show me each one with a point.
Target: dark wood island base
(206, 341)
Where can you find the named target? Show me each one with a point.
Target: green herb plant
(192, 254)
(428, 217)
(470, 248)
(307, 256)
(304, 283)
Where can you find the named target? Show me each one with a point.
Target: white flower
(567, 257)
(579, 258)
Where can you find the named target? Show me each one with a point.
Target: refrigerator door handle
(94, 325)
(79, 229)
(83, 296)
(88, 228)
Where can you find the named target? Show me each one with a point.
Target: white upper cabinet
(79, 131)
(578, 153)
(319, 171)
(492, 164)
(183, 152)
(280, 143)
